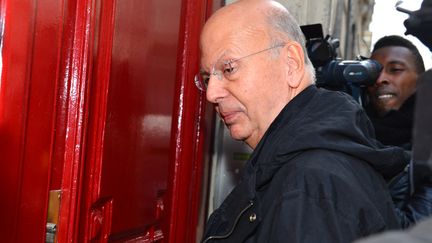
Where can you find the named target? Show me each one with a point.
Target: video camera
(350, 76)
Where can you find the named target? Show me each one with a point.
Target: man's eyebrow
(396, 62)
(222, 56)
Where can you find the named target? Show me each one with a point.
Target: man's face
(249, 94)
(397, 80)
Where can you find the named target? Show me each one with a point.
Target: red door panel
(97, 100)
(139, 110)
(31, 47)
(131, 106)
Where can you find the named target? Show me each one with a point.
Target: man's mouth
(228, 117)
(386, 96)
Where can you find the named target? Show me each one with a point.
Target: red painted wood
(27, 98)
(100, 94)
(190, 135)
(75, 70)
(92, 203)
(185, 135)
(128, 154)
(139, 112)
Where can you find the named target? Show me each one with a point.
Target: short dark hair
(395, 40)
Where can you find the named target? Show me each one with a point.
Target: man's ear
(294, 59)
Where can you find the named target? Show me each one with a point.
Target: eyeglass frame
(202, 83)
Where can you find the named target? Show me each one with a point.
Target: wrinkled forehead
(230, 38)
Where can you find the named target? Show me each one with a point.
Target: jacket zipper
(218, 237)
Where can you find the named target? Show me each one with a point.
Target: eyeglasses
(224, 69)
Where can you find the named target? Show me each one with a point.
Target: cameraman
(418, 25)
(391, 110)
(392, 97)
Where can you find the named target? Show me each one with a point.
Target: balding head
(243, 13)
(253, 52)
(264, 19)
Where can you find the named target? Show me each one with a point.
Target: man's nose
(383, 79)
(215, 90)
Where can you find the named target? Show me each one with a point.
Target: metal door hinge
(52, 216)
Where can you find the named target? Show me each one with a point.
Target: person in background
(392, 97)
(391, 110)
(316, 171)
(415, 210)
(418, 25)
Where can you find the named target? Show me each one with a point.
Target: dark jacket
(418, 206)
(413, 204)
(314, 177)
(420, 233)
(394, 128)
(412, 190)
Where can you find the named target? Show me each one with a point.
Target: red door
(132, 97)
(31, 46)
(97, 101)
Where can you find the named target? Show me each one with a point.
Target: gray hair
(280, 20)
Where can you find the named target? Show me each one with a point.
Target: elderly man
(314, 174)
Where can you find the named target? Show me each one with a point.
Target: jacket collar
(261, 165)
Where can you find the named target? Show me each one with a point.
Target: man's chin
(383, 108)
(236, 133)
(382, 111)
